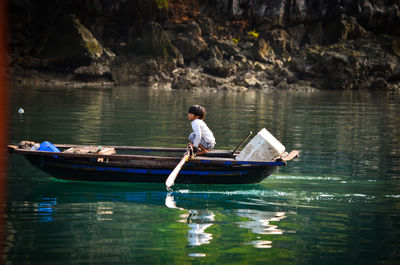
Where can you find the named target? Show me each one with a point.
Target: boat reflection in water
(227, 214)
(200, 220)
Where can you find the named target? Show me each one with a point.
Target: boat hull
(191, 173)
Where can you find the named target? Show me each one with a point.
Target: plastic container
(48, 147)
(264, 147)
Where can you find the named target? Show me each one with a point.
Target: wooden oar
(174, 174)
(247, 137)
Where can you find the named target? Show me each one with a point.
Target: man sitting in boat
(201, 139)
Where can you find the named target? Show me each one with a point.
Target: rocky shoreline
(227, 45)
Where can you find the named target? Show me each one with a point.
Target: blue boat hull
(191, 173)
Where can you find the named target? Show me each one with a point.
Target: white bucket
(262, 148)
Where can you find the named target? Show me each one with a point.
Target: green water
(338, 203)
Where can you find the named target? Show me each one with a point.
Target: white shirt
(201, 130)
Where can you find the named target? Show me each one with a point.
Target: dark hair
(198, 110)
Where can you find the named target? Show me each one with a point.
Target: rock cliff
(199, 44)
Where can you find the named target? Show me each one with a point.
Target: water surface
(338, 203)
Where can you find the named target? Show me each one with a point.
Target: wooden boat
(146, 164)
